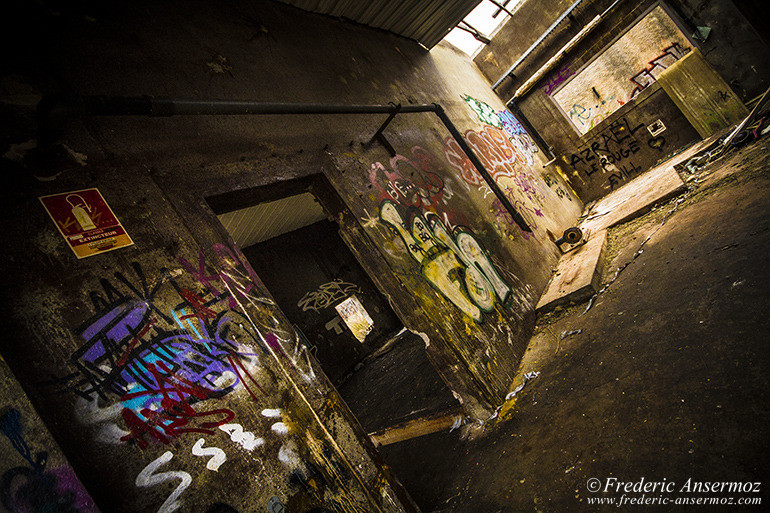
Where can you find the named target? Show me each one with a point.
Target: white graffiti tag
(148, 477)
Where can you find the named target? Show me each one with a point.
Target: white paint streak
(89, 412)
(288, 455)
(226, 379)
(271, 412)
(148, 477)
(218, 456)
(245, 439)
(111, 434)
(280, 428)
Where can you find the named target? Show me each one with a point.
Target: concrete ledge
(578, 276)
(633, 199)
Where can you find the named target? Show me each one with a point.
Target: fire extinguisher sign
(86, 222)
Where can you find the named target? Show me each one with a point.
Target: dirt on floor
(663, 380)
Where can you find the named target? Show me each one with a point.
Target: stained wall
(165, 370)
(601, 80)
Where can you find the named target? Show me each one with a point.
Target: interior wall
(733, 48)
(35, 474)
(179, 320)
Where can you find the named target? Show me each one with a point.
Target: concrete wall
(164, 370)
(34, 474)
(571, 120)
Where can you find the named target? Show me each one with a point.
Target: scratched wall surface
(165, 371)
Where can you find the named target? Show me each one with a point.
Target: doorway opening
(379, 368)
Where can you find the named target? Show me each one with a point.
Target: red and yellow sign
(86, 222)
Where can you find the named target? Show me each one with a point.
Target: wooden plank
(417, 427)
(704, 98)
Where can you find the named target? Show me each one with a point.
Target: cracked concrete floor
(667, 379)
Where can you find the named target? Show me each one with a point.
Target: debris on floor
(501, 413)
(565, 333)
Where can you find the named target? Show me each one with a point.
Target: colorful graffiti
(511, 125)
(33, 488)
(484, 111)
(454, 263)
(647, 76)
(589, 117)
(509, 168)
(506, 121)
(159, 358)
(414, 181)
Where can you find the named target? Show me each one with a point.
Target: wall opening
(621, 71)
(381, 370)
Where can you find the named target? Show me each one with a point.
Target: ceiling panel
(426, 21)
(264, 221)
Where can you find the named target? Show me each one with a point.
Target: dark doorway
(309, 271)
(306, 263)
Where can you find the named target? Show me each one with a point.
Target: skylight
(482, 19)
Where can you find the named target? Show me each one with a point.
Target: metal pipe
(474, 32)
(536, 44)
(481, 169)
(531, 131)
(54, 111)
(500, 8)
(563, 51)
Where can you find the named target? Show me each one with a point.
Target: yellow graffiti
(455, 264)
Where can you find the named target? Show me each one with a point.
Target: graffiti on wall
(484, 111)
(612, 152)
(508, 166)
(553, 184)
(414, 181)
(589, 117)
(557, 79)
(508, 154)
(503, 119)
(647, 76)
(159, 358)
(33, 487)
(454, 263)
(326, 295)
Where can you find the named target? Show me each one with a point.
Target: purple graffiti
(36, 490)
(561, 76)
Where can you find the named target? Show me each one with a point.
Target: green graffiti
(485, 113)
(454, 263)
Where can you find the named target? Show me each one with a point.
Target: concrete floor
(667, 379)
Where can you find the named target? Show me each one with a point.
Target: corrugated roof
(426, 21)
